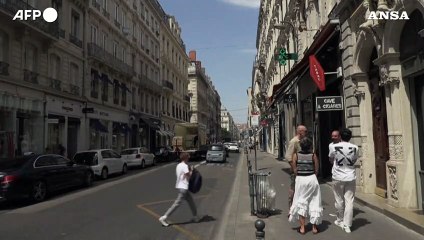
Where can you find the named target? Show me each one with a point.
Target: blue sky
(223, 33)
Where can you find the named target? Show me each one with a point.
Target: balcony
(56, 84)
(96, 5)
(30, 76)
(75, 40)
(4, 68)
(106, 13)
(149, 84)
(117, 24)
(104, 57)
(74, 89)
(12, 7)
(168, 85)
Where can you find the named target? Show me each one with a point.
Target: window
(116, 12)
(45, 161)
(106, 154)
(4, 47)
(115, 49)
(104, 41)
(94, 83)
(105, 4)
(124, 19)
(75, 22)
(124, 55)
(141, 39)
(59, 160)
(54, 66)
(94, 34)
(134, 29)
(124, 94)
(116, 88)
(133, 100)
(74, 73)
(30, 57)
(105, 88)
(152, 104)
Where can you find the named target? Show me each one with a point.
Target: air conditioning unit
(339, 72)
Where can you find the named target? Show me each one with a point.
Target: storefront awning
(147, 122)
(327, 31)
(98, 126)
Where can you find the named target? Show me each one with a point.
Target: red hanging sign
(316, 72)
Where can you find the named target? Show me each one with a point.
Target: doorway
(379, 127)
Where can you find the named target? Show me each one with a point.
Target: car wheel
(39, 191)
(143, 164)
(124, 169)
(104, 173)
(88, 181)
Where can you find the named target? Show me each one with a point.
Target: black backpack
(195, 182)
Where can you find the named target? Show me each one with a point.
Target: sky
(223, 33)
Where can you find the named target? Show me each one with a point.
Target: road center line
(184, 231)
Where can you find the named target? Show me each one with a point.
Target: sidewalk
(239, 224)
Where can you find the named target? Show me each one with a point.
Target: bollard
(260, 226)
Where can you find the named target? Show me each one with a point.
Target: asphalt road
(124, 207)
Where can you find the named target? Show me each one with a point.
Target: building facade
(375, 67)
(175, 100)
(228, 124)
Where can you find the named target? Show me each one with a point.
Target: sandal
(315, 231)
(303, 233)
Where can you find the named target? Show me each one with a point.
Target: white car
(102, 161)
(233, 147)
(140, 156)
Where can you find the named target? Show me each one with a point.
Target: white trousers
(344, 194)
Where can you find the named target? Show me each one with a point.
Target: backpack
(195, 182)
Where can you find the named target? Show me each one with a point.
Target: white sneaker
(339, 223)
(346, 229)
(163, 221)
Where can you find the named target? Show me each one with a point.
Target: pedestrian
(335, 138)
(307, 194)
(292, 148)
(183, 172)
(344, 155)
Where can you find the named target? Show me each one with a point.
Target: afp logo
(49, 15)
(388, 15)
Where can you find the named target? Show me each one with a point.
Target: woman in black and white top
(307, 197)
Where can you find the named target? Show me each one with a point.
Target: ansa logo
(388, 15)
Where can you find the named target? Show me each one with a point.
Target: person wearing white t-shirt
(335, 138)
(344, 155)
(183, 173)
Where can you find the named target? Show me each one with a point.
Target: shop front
(149, 132)
(21, 122)
(63, 126)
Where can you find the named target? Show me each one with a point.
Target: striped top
(305, 164)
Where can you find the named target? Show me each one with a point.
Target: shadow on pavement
(275, 212)
(357, 211)
(286, 170)
(359, 222)
(205, 218)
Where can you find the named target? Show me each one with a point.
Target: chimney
(192, 55)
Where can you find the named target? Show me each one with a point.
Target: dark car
(35, 176)
(165, 154)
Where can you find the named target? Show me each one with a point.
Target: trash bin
(265, 194)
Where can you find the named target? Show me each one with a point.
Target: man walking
(292, 148)
(183, 175)
(344, 155)
(335, 138)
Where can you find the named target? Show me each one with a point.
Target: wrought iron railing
(56, 84)
(168, 84)
(75, 40)
(105, 57)
(30, 76)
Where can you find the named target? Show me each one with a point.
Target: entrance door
(419, 99)
(72, 139)
(381, 144)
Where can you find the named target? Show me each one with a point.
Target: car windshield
(129, 151)
(14, 163)
(85, 158)
(216, 148)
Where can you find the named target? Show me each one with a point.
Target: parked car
(138, 157)
(233, 147)
(203, 150)
(35, 176)
(216, 153)
(102, 161)
(165, 154)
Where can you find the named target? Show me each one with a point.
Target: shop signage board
(317, 72)
(329, 103)
(289, 98)
(255, 120)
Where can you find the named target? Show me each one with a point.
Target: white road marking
(197, 165)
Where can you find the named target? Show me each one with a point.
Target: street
(124, 207)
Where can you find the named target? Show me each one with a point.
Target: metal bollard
(260, 226)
